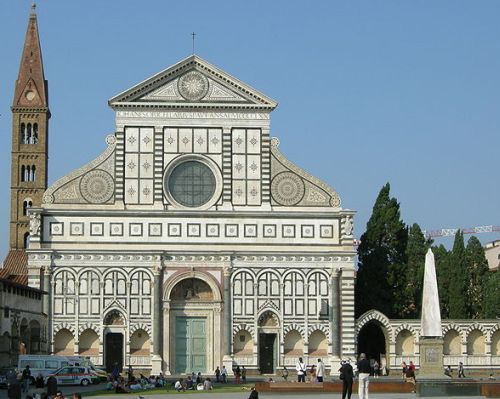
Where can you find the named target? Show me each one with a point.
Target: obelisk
(431, 339)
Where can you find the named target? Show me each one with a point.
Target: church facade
(191, 241)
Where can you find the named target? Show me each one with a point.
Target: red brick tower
(30, 116)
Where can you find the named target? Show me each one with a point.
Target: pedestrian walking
(461, 373)
(347, 377)
(223, 373)
(26, 378)
(320, 370)
(243, 374)
(364, 376)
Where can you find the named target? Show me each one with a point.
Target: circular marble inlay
(97, 186)
(287, 188)
(193, 86)
(30, 95)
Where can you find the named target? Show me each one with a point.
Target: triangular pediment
(192, 83)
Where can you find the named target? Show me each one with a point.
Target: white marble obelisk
(431, 340)
(431, 310)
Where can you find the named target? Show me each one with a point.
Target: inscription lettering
(191, 115)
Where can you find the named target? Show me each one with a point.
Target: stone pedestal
(156, 362)
(227, 361)
(431, 359)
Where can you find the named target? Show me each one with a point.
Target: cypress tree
(414, 274)
(458, 279)
(478, 271)
(491, 304)
(442, 259)
(380, 281)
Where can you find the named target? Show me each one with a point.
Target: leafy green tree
(491, 304)
(442, 259)
(458, 279)
(380, 279)
(478, 273)
(414, 275)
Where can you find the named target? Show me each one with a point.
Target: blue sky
(369, 92)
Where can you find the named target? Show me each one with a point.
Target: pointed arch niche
(192, 319)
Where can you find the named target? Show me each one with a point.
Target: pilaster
(228, 325)
(157, 360)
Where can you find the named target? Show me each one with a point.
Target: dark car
(4, 376)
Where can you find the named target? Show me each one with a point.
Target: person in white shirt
(301, 370)
(320, 371)
(179, 386)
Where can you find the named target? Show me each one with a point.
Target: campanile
(30, 117)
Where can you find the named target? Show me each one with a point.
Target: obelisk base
(431, 359)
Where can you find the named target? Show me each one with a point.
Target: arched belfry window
(26, 240)
(24, 136)
(34, 138)
(27, 204)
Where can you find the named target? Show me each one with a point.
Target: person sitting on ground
(312, 371)
(189, 383)
(39, 381)
(447, 371)
(179, 386)
(284, 373)
(109, 385)
(121, 388)
(207, 384)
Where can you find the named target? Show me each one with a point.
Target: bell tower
(30, 123)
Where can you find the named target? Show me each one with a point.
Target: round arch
(207, 278)
(192, 313)
(373, 336)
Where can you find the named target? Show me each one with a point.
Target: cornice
(190, 106)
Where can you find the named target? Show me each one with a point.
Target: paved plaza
(68, 391)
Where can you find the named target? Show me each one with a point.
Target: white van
(48, 364)
(42, 364)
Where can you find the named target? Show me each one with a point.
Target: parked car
(72, 375)
(4, 376)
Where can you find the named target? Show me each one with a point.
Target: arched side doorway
(114, 333)
(374, 336)
(192, 324)
(373, 341)
(269, 328)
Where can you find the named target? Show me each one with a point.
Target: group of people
(132, 383)
(316, 372)
(240, 374)
(448, 371)
(190, 383)
(16, 387)
(408, 373)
